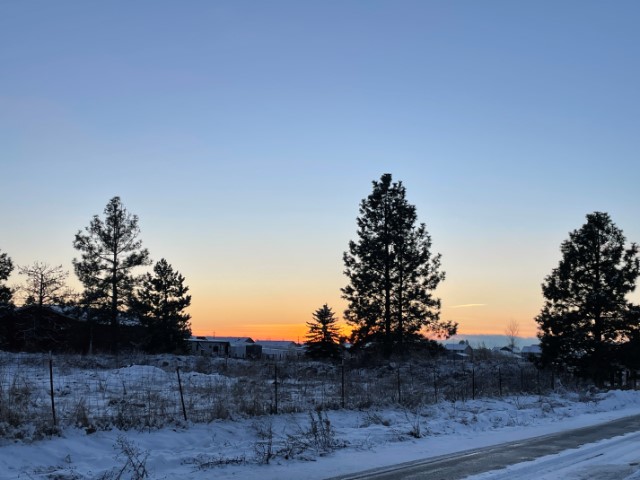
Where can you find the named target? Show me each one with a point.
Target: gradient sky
(244, 134)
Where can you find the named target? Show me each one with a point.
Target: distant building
(459, 350)
(235, 347)
(507, 351)
(280, 349)
(532, 351)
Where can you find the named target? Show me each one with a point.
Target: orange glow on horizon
(263, 331)
(296, 331)
(274, 315)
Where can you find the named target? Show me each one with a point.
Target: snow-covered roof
(532, 349)
(457, 347)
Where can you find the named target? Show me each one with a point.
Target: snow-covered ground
(321, 445)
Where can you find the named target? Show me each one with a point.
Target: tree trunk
(115, 334)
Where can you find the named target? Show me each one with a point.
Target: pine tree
(160, 303)
(6, 267)
(392, 272)
(110, 251)
(323, 338)
(7, 333)
(586, 315)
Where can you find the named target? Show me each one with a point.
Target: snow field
(228, 442)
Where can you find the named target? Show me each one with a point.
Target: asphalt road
(473, 462)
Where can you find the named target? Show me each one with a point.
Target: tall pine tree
(110, 250)
(6, 267)
(160, 303)
(392, 273)
(586, 316)
(6, 303)
(323, 338)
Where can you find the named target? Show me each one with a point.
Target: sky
(244, 135)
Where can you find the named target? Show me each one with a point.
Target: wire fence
(41, 393)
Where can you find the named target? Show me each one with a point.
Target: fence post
(53, 403)
(435, 386)
(499, 381)
(399, 388)
(342, 391)
(184, 410)
(275, 386)
(473, 383)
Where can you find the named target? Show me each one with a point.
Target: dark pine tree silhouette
(110, 250)
(160, 303)
(6, 267)
(323, 338)
(392, 273)
(6, 303)
(586, 316)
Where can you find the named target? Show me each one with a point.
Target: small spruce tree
(160, 303)
(323, 338)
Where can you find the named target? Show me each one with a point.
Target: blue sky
(244, 134)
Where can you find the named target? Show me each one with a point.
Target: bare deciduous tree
(45, 284)
(511, 331)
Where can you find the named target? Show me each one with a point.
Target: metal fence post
(184, 410)
(275, 386)
(435, 386)
(342, 391)
(473, 383)
(53, 403)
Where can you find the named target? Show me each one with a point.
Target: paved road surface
(473, 462)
